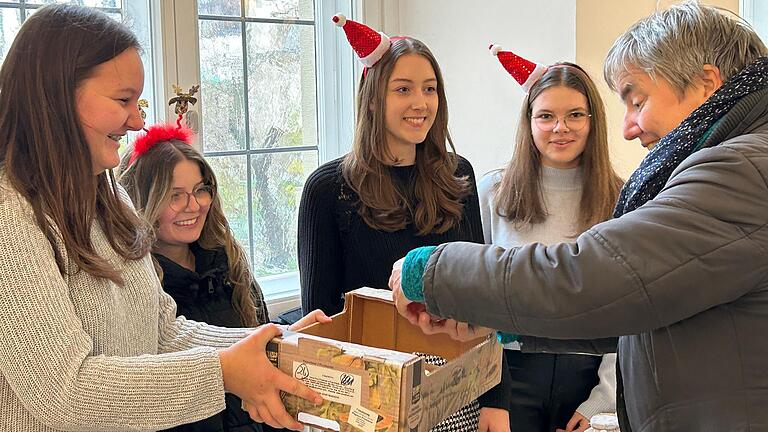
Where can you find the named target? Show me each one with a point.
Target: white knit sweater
(561, 190)
(83, 354)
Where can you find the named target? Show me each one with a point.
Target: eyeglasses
(573, 121)
(203, 196)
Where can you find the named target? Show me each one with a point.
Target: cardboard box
(364, 365)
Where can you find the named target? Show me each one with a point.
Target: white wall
(483, 100)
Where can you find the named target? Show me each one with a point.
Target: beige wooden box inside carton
(363, 365)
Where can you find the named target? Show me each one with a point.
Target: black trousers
(546, 389)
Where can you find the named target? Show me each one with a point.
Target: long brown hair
(438, 193)
(43, 150)
(149, 183)
(518, 196)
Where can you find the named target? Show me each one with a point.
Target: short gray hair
(676, 43)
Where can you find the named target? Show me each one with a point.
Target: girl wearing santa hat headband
(401, 186)
(558, 183)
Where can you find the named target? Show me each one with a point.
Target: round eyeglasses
(573, 121)
(203, 196)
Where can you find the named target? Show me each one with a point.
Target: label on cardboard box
(363, 419)
(333, 385)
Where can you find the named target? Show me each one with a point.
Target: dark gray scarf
(688, 137)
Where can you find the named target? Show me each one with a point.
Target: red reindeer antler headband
(159, 133)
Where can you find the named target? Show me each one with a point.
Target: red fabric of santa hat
(369, 44)
(525, 72)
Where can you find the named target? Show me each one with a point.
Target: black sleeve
(533, 344)
(498, 397)
(319, 244)
(472, 225)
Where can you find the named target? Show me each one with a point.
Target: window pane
(134, 14)
(104, 3)
(93, 3)
(219, 7)
(280, 9)
(281, 85)
(10, 21)
(232, 190)
(277, 181)
(221, 86)
(117, 16)
(36, 3)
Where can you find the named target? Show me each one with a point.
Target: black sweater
(339, 252)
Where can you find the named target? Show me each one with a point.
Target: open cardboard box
(363, 363)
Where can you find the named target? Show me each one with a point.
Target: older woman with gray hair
(680, 274)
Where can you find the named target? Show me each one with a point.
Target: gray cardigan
(683, 280)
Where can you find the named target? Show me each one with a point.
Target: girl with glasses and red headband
(558, 183)
(200, 263)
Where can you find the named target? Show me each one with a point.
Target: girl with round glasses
(558, 183)
(200, 263)
(203, 196)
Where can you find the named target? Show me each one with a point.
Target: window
(134, 13)
(276, 100)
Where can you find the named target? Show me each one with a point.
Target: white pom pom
(339, 20)
(495, 49)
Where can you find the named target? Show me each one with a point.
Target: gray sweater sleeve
(602, 398)
(81, 353)
(643, 271)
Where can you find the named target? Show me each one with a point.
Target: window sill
(281, 292)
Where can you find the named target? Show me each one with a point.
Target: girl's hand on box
(248, 373)
(316, 316)
(493, 420)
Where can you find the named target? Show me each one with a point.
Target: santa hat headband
(525, 72)
(157, 134)
(369, 44)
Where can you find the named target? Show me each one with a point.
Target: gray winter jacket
(683, 280)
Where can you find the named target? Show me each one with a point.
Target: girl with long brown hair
(401, 186)
(558, 183)
(199, 261)
(89, 339)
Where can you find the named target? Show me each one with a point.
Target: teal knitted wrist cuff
(505, 338)
(413, 271)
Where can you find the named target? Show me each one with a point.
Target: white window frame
(178, 63)
(755, 13)
(143, 14)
